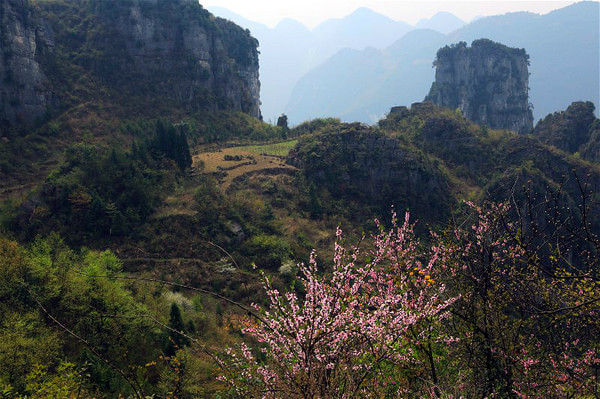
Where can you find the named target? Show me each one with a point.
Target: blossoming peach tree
(356, 331)
(486, 309)
(528, 320)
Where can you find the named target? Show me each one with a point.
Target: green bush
(269, 251)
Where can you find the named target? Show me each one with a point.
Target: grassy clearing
(278, 149)
(175, 205)
(251, 158)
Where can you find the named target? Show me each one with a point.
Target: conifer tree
(175, 339)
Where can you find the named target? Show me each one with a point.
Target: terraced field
(234, 162)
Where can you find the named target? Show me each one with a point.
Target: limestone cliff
(184, 52)
(24, 91)
(66, 53)
(488, 82)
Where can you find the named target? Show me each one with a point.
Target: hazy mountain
(443, 22)
(290, 50)
(361, 85)
(564, 54)
(283, 60)
(363, 28)
(256, 28)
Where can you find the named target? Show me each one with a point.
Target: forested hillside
(182, 245)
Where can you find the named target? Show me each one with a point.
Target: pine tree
(185, 148)
(175, 339)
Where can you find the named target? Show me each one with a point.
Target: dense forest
(179, 247)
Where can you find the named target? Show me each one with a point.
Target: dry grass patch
(234, 162)
(176, 205)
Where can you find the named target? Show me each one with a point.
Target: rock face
(362, 164)
(488, 82)
(186, 53)
(162, 49)
(575, 130)
(24, 91)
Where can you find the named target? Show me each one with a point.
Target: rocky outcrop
(488, 82)
(575, 130)
(591, 149)
(185, 52)
(362, 164)
(171, 50)
(25, 94)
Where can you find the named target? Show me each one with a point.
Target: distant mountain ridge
(443, 22)
(563, 46)
(290, 50)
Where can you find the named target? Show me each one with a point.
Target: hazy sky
(311, 12)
